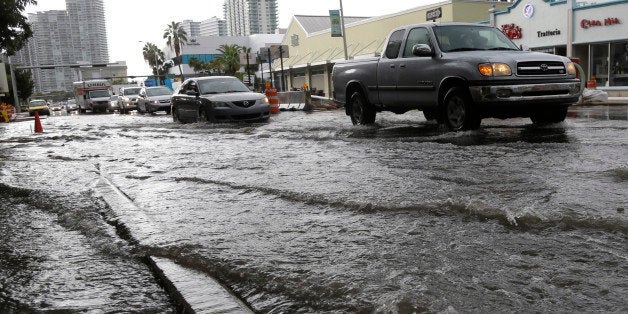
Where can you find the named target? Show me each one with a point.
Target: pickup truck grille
(541, 68)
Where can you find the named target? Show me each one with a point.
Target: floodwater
(307, 213)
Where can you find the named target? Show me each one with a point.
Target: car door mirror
(422, 50)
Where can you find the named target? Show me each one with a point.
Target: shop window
(619, 64)
(599, 63)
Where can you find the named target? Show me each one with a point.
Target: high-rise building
(192, 29)
(249, 17)
(213, 27)
(76, 35)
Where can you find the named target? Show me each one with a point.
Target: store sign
(586, 24)
(336, 28)
(548, 33)
(512, 31)
(432, 15)
(528, 11)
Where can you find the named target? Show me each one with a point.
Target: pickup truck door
(416, 74)
(387, 69)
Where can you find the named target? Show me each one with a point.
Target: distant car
(71, 105)
(115, 103)
(55, 106)
(131, 96)
(156, 98)
(38, 105)
(218, 98)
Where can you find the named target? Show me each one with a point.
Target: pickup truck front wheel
(555, 115)
(362, 113)
(458, 112)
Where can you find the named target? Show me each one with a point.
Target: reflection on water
(614, 112)
(489, 133)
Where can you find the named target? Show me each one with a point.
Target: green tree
(25, 85)
(14, 27)
(155, 59)
(230, 58)
(196, 64)
(175, 36)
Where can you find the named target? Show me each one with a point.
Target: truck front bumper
(558, 93)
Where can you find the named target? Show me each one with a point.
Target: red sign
(593, 23)
(512, 31)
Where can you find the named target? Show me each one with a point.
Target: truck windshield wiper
(503, 48)
(464, 49)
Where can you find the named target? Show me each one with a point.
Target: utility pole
(344, 32)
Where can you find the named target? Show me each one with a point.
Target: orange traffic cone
(38, 127)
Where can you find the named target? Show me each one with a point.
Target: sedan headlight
(571, 68)
(494, 69)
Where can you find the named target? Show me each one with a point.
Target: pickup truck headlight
(571, 69)
(494, 69)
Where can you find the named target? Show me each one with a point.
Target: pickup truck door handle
(392, 66)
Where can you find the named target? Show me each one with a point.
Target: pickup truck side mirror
(525, 48)
(422, 50)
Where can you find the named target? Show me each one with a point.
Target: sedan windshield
(36, 103)
(467, 38)
(132, 91)
(221, 85)
(160, 91)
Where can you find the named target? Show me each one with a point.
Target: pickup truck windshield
(453, 38)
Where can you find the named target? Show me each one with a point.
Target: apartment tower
(249, 17)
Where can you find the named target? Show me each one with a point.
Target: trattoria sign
(586, 24)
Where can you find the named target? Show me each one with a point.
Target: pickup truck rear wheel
(458, 109)
(362, 113)
(556, 115)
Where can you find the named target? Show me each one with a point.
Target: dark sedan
(217, 99)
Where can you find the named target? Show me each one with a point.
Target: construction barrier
(7, 112)
(273, 99)
(592, 83)
(38, 127)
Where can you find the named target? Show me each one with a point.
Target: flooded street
(307, 213)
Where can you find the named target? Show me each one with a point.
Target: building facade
(213, 27)
(249, 17)
(313, 51)
(593, 33)
(65, 37)
(193, 29)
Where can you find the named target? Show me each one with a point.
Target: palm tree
(153, 56)
(175, 36)
(230, 58)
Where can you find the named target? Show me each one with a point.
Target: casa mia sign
(586, 24)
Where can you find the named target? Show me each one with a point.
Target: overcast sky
(131, 21)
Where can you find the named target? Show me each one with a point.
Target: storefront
(595, 34)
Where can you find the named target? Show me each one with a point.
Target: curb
(191, 290)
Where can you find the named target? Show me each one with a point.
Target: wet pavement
(308, 213)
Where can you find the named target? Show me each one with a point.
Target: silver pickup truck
(456, 73)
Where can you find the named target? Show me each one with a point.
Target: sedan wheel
(175, 115)
(202, 115)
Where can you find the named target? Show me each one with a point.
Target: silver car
(155, 98)
(218, 98)
(131, 96)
